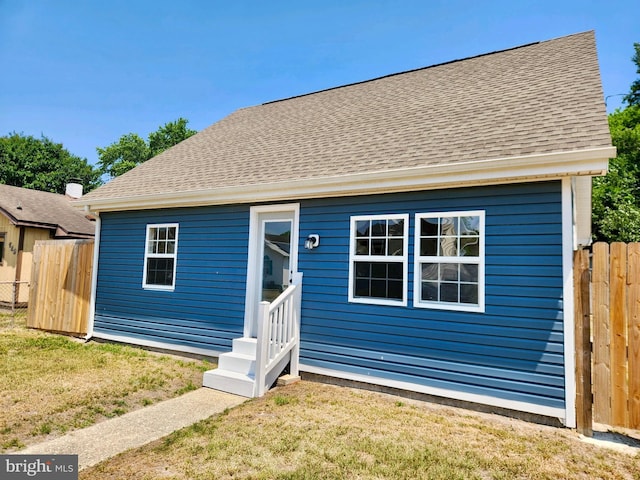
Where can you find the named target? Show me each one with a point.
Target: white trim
(255, 253)
(148, 255)
(523, 168)
(581, 187)
(94, 277)
(380, 258)
(568, 307)
(150, 343)
(418, 259)
(439, 392)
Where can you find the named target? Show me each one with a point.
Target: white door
(273, 257)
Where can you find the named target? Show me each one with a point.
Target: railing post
(297, 305)
(262, 348)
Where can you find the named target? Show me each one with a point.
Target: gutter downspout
(94, 276)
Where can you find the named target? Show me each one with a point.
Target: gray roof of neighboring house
(33, 208)
(540, 98)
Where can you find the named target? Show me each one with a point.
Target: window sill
(379, 301)
(450, 306)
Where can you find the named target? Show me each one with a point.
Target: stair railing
(278, 332)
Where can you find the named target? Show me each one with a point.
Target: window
(378, 259)
(160, 257)
(449, 261)
(2, 237)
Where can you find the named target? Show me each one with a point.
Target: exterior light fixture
(312, 241)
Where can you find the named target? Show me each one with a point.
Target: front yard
(314, 431)
(52, 384)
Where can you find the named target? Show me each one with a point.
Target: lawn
(314, 431)
(52, 384)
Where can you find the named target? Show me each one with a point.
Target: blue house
(426, 221)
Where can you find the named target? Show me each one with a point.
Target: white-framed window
(161, 249)
(449, 261)
(378, 259)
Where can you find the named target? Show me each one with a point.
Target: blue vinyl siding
(513, 351)
(206, 310)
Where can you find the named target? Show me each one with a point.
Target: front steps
(236, 369)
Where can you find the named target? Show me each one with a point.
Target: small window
(449, 257)
(160, 257)
(2, 237)
(378, 259)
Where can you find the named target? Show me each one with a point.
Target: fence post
(13, 304)
(584, 402)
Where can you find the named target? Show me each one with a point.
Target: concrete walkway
(106, 439)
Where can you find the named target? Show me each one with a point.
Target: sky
(85, 72)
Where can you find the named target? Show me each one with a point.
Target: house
(433, 214)
(29, 215)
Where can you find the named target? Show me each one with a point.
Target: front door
(273, 257)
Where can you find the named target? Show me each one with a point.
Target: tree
(131, 150)
(633, 98)
(42, 164)
(616, 196)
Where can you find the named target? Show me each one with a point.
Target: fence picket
(601, 338)
(633, 281)
(618, 302)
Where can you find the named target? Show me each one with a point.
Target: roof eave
(590, 162)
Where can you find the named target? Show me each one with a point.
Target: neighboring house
(29, 215)
(447, 202)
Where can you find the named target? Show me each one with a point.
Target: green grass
(314, 431)
(52, 384)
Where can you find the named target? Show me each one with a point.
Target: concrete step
(245, 346)
(237, 362)
(230, 382)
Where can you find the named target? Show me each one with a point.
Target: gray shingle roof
(44, 210)
(540, 98)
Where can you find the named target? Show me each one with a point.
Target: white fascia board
(500, 170)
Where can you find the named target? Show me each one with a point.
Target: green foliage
(131, 150)
(633, 98)
(616, 197)
(42, 164)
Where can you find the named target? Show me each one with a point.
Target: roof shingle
(38, 209)
(540, 98)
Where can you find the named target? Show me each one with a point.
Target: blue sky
(85, 72)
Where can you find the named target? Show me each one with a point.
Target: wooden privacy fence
(613, 316)
(61, 286)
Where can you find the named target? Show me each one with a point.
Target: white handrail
(278, 327)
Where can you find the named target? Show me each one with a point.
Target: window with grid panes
(160, 256)
(449, 257)
(378, 259)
